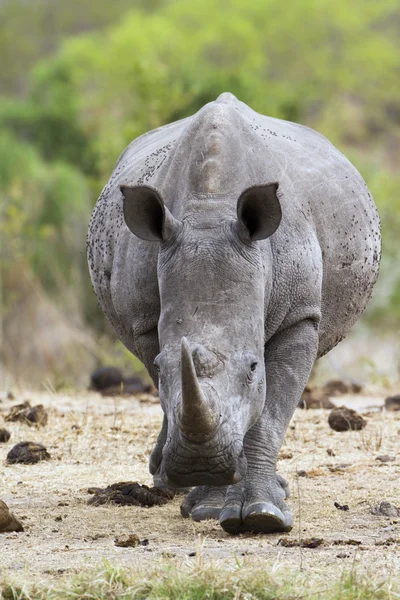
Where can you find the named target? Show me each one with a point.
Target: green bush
(332, 66)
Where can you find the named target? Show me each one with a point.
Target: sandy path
(96, 441)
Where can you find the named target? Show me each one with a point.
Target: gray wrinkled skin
(238, 249)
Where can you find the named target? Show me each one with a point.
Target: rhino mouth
(185, 480)
(185, 466)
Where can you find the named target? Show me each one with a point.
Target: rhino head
(214, 286)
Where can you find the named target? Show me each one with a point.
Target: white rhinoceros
(229, 250)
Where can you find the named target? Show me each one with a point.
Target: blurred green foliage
(80, 80)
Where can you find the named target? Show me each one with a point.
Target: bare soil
(95, 441)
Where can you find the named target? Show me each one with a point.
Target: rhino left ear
(259, 212)
(146, 214)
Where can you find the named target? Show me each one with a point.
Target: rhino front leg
(156, 455)
(257, 503)
(206, 502)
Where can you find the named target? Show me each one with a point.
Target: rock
(337, 387)
(345, 419)
(339, 468)
(109, 381)
(4, 435)
(127, 541)
(131, 493)
(341, 506)
(385, 458)
(148, 398)
(27, 414)
(302, 473)
(136, 385)
(105, 377)
(17, 412)
(314, 397)
(348, 542)
(392, 403)
(37, 415)
(330, 452)
(305, 543)
(285, 455)
(27, 453)
(8, 521)
(386, 509)
(388, 542)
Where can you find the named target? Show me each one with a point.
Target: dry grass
(96, 441)
(198, 583)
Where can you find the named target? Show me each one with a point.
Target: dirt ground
(95, 441)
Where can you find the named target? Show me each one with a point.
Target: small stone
(27, 414)
(385, 509)
(304, 543)
(302, 473)
(330, 452)
(338, 387)
(27, 453)
(338, 468)
(345, 419)
(311, 542)
(313, 397)
(37, 415)
(343, 555)
(8, 522)
(127, 541)
(105, 377)
(348, 542)
(4, 435)
(285, 455)
(341, 506)
(392, 403)
(18, 412)
(109, 381)
(148, 398)
(385, 458)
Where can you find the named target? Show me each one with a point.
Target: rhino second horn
(197, 420)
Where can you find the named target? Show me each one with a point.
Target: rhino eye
(253, 366)
(157, 366)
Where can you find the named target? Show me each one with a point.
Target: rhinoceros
(229, 250)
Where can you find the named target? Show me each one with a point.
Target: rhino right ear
(146, 214)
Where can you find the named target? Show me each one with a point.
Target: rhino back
(200, 165)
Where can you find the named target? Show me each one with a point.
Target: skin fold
(229, 251)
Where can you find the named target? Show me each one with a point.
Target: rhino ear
(259, 212)
(146, 214)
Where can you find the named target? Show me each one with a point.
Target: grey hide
(229, 250)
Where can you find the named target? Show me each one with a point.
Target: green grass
(114, 583)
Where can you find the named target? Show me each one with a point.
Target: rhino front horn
(197, 419)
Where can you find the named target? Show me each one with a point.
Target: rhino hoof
(230, 520)
(202, 513)
(264, 517)
(259, 517)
